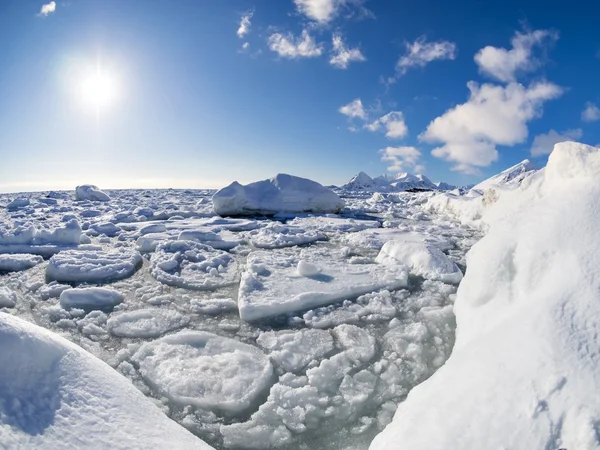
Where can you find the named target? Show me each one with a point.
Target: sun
(99, 89)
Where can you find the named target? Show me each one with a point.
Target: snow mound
(145, 323)
(92, 267)
(191, 265)
(18, 262)
(283, 193)
(205, 370)
(90, 192)
(90, 298)
(55, 395)
(422, 259)
(271, 284)
(525, 365)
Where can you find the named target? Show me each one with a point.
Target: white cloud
(324, 11)
(48, 8)
(394, 125)
(493, 115)
(245, 24)
(354, 109)
(504, 65)
(341, 55)
(400, 158)
(290, 47)
(420, 53)
(543, 144)
(591, 113)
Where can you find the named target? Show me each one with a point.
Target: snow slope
(283, 193)
(525, 369)
(54, 395)
(512, 176)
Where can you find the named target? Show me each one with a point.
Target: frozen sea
(256, 332)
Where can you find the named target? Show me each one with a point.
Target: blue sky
(316, 88)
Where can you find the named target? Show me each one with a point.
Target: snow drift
(283, 193)
(55, 395)
(90, 192)
(525, 369)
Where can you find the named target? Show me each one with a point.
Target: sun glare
(99, 89)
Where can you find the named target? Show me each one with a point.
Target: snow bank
(90, 192)
(283, 193)
(92, 267)
(524, 372)
(16, 263)
(422, 259)
(205, 370)
(272, 283)
(55, 395)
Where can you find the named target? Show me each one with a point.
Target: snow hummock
(30, 238)
(283, 193)
(92, 266)
(18, 262)
(90, 192)
(512, 176)
(422, 259)
(524, 371)
(90, 298)
(8, 298)
(55, 395)
(276, 282)
(205, 370)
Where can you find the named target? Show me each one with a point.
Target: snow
(276, 235)
(90, 298)
(8, 298)
(510, 177)
(271, 284)
(55, 395)
(18, 262)
(192, 265)
(90, 192)
(400, 182)
(145, 323)
(205, 370)
(422, 259)
(207, 237)
(524, 368)
(92, 266)
(30, 238)
(283, 193)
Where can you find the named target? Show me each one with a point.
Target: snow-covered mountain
(400, 182)
(442, 186)
(511, 176)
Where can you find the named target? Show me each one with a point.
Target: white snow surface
(282, 193)
(205, 370)
(54, 395)
(524, 371)
(510, 177)
(145, 323)
(90, 298)
(90, 192)
(272, 285)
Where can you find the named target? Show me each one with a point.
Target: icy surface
(272, 284)
(92, 267)
(336, 377)
(205, 370)
(18, 262)
(524, 371)
(55, 395)
(282, 193)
